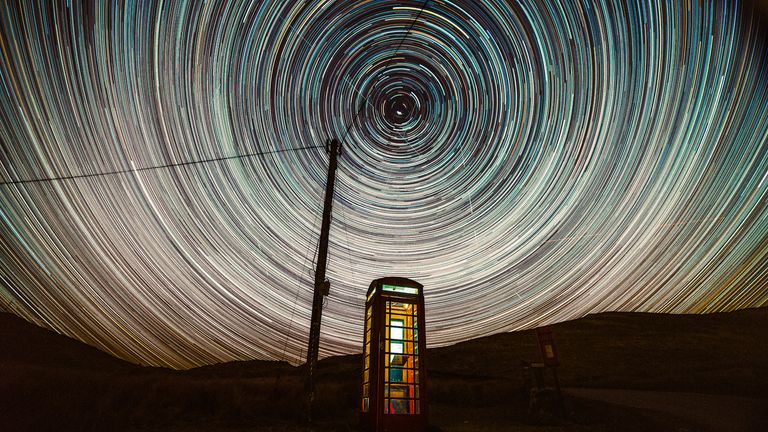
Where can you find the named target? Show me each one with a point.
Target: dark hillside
(51, 382)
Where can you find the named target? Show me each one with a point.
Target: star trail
(528, 162)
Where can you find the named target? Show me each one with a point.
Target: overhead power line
(394, 54)
(135, 170)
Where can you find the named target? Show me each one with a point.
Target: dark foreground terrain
(620, 372)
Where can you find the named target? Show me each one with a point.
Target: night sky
(528, 162)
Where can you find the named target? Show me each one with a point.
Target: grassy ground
(49, 382)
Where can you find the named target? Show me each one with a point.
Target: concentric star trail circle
(527, 161)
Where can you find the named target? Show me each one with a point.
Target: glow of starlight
(527, 161)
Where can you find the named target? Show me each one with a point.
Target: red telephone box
(394, 379)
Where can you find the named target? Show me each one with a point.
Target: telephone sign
(547, 345)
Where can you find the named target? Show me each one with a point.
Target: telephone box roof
(396, 282)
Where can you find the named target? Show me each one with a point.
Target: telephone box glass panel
(401, 357)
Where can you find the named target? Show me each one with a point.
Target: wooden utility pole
(322, 286)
